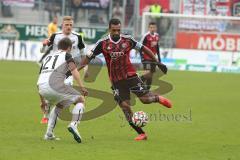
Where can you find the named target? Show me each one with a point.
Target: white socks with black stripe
(77, 113)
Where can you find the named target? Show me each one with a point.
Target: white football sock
(77, 113)
(53, 119)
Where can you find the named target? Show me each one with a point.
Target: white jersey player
(76, 51)
(77, 47)
(77, 42)
(51, 87)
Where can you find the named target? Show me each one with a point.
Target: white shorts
(69, 81)
(65, 98)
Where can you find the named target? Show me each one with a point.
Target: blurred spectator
(53, 7)
(94, 18)
(75, 8)
(104, 3)
(13, 35)
(6, 10)
(23, 47)
(33, 51)
(129, 11)
(11, 43)
(101, 20)
(52, 27)
(155, 8)
(117, 12)
(213, 8)
(36, 5)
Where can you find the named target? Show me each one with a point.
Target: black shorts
(122, 88)
(149, 65)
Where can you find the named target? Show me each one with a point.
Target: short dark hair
(114, 21)
(64, 44)
(152, 23)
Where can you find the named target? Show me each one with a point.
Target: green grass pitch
(207, 127)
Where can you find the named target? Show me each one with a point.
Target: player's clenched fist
(163, 68)
(84, 91)
(45, 42)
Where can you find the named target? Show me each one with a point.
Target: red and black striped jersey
(151, 42)
(117, 55)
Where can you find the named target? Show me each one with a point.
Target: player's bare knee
(59, 106)
(80, 99)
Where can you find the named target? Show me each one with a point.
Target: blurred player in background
(77, 51)
(52, 88)
(53, 26)
(150, 40)
(116, 49)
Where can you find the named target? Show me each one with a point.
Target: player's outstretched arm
(161, 66)
(44, 47)
(84, 62)
(149, 53)
(76, 76)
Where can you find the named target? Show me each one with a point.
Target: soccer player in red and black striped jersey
(116, 49)
(150, 40)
